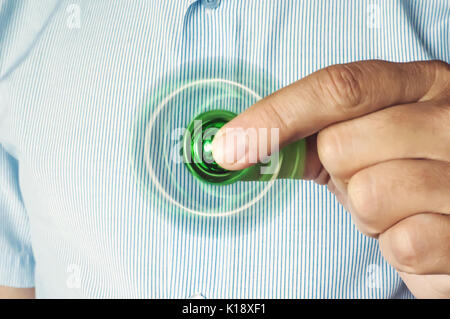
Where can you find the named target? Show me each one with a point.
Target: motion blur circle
(157, 147)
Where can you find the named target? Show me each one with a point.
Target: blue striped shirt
(85, 211)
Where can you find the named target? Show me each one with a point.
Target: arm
(16, 293)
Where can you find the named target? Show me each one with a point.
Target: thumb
(313, 169)
(331, 95)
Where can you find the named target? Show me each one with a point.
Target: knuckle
(363, 201)
(405, 247)
(441, 84)
(442, 68)
(441, 118)
(340, 83)
(279, 116)
(437, 119)
(439, 114)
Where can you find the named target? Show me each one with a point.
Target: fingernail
(230, 147)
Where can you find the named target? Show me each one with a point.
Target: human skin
(16, 293)
(378, 134)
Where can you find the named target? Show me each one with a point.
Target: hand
(378, 134)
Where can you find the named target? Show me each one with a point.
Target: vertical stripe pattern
(73, 97)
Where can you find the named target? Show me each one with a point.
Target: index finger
(334, 94)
